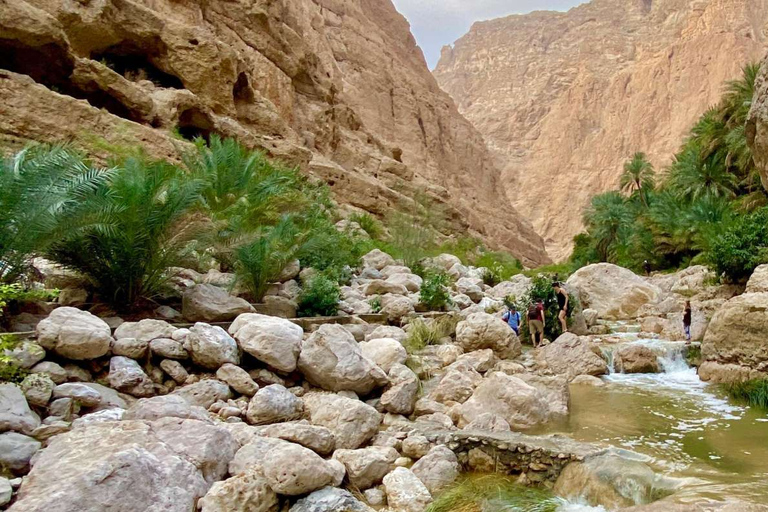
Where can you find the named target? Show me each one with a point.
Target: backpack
(533, 312)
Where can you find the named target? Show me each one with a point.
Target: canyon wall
(338, 87)
(564, 99)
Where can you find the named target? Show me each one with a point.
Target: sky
(436, 23)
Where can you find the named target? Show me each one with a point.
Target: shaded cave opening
(242, 92)
(134, 63)
(194, 123)
(51, 65)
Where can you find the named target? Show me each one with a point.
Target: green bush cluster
(320, 297)
(422, 333)
(435, 293)
(752, 392)
(541, 289)
(700, 211)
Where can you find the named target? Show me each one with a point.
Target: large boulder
(209, 303)
(400, 397)
(351, 421)
(395, 307)
(331, 359)
(438, 469)
(125, 466)
(274, 341)
(292, 470)
(367, 466)
(612, 291)
(211, 346)
(411, 282)
(273, 404)
(481, 330)
(381, 287)
(517, 286)
(456, 385)
(522, 405)
(16, 450)
(636, 359)
(377, 259)
(15, 413)
(471, 287)
(444, 261)
(26, 354)
(570, 356)
(405, 492)
(385, 352)
(248, 491)
(74, 334)
(758, 282)
(734, 346)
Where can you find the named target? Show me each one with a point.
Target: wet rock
(209, 303)
(587, 380)
(74, 334)
(211, 346)
(636, 359)
(275, 341)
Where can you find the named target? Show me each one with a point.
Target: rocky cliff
(338, 87)
(563, 99)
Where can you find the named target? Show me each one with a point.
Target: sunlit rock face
(337, 87)
(563, 99)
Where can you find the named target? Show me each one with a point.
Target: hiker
(562, 303)
(512, 317)
(647, 267)
(687, 322)
(536, 324)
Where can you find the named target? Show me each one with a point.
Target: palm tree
(638, 176)
(146, 207)
(693, 177)
(609, 220)
(45, 194)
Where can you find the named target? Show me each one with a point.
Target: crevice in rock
(242, 92)
(135, 64)
(194, 123)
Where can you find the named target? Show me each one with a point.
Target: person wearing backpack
(512, 317)
(536, 324)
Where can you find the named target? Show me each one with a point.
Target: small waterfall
(670, 354)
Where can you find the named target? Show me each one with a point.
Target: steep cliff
(757, 123)
(338, 87)
(563, 99)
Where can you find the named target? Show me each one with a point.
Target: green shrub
(422, 333)
(414, 231)
(490, 277)
(333, 252)
(501, 266)
(9, 368)
(375, 303)
(541, 289)
(320, 297)
(434, 294)
(752, 392)
(16, 293)
(740, 247)
(493, 492)
(144, 230)
(369, 224)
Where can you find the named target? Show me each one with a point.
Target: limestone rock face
(129, 465)
(343, 92)
(757, 123)
(548, 89)
(612, 291)
(734, 346)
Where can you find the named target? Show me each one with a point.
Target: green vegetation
(493, 493)
(320, 297)
(693, 355)
(435, 294)
(375, 303)
(414, 231)
(422, 333)
(9, 369)
(541, 289)
(752, 392)
(707, 207)
(10, 293)
(500, 266)
(369, 224)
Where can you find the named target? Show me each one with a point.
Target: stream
(679, 425)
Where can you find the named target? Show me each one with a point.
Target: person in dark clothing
(562, 303)
(647, 267)
(536, 324)
(687, 321)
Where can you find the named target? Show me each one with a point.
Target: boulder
(237, 378)
(274, 341)
(74, 334)
(405, 492)
(438, 469)
(330, 499)
(145, 330)
(479, 360)
(385, 352)
(400, 397)
(461, 301)
(209, 303)
(331, 359)
(367, 466)
(168, 348)
(457, 385)
(636, 359)
(351, 421)
(130, 347)
(6, 491)
(587, 380)
(253, 448)
(523, 406)
(26, 354)
(290, 271)
(204, 393)
(167, 406)
(211, 346)
(415, 446)
(735, 339)
(282, 307)
(488, 422)
(612, 291)
(126, 375)
(127, 466)
(318, 439)
(16, 451)
(377, 259)
(83, 394)
(175, 370)
(387, 331)
(758, 282)
(555, 390)
(381, 287)
(444, 261)
(273, 404)
(590, 317)
(481, 330)
(471, 287)
(37, 388)
(517, 286)
(570, 356)
(411, 282)
(293, 470)
(392, 270)
(248, 491)
(395, 308)
(53, 370)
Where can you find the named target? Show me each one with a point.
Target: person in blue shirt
(512, 317)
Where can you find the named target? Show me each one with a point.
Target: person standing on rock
(512, 317)
(562, 303)
(687, 322)
(536, 324)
